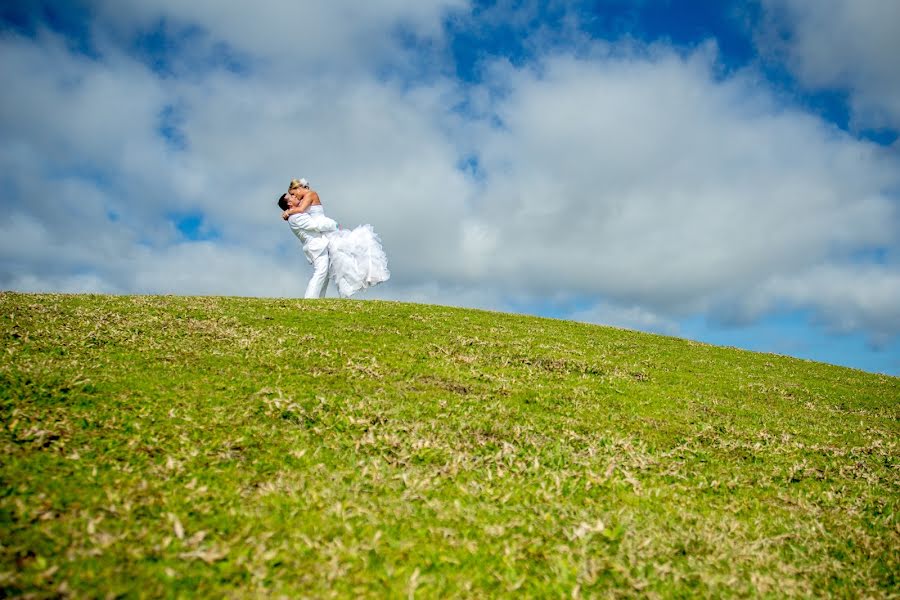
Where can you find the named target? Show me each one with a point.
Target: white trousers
(318, 283)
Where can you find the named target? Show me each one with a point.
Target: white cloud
(649, 181)
(627, 317)
(847, 45)
(376, 152)
(61, 283)
(848, 298)
(76, 110)
(298, 39)
(433, 292)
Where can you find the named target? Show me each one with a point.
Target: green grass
(168, 446)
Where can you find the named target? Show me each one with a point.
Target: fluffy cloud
(648, 180)
(87, 135)
(849, 45)
(627, 317)
(848, 298)
(296, 39)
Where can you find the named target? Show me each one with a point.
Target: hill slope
(159, 445)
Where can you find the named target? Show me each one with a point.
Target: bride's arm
(304, 204)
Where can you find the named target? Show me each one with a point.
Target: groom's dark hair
(282, 202)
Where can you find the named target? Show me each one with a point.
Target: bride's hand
(285, 215)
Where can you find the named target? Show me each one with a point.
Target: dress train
(357, 259)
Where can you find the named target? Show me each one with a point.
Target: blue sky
(723, 171)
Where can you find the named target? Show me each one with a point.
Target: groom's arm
(292, 211)
(304, 204)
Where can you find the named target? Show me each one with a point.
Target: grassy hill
(241, 447)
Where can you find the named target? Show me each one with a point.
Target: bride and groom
(352, 259)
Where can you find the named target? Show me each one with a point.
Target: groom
(312, 237)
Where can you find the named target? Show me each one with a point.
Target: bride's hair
(298, 183)
(282, 202)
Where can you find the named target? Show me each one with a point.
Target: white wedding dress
(355, 256)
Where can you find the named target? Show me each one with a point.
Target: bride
(353, 259)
